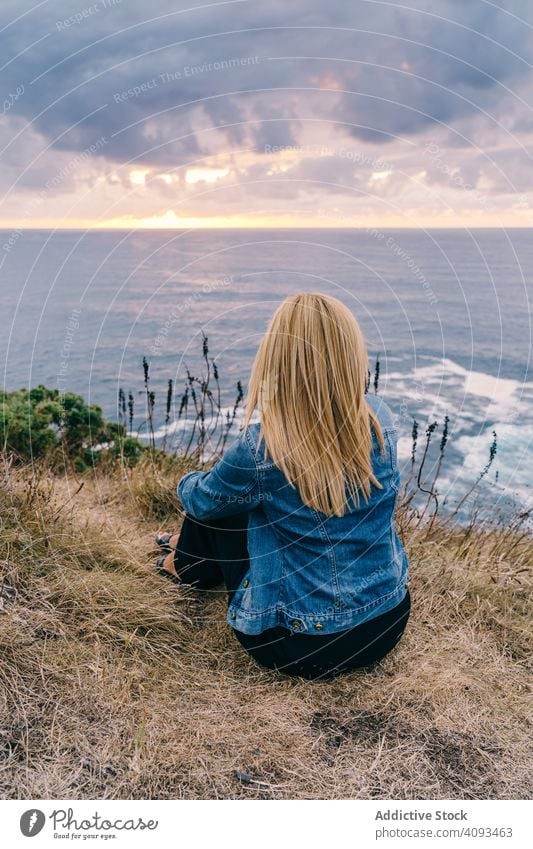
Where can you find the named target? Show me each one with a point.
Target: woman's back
(308, 571)
(298, 517)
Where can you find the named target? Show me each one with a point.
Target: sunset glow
(349, 122)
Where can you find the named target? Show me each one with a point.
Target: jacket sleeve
(230, 487)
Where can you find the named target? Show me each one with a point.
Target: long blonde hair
(308, 383)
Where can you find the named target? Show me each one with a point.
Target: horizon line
(109, 229)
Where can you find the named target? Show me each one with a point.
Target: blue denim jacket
(308, 572)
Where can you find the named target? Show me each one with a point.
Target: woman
(298, 517)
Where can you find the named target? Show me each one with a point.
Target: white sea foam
(477, 404)
(513, 451)
(445, 385)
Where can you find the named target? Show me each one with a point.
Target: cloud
(169, 83)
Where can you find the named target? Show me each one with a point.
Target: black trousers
(212, 553)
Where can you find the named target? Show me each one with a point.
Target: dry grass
(116, 684)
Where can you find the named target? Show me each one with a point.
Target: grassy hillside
(117, 684)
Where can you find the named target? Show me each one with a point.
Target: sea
(447, 314)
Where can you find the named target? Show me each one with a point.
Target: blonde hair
(308, 383)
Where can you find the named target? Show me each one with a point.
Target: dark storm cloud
(156, 80)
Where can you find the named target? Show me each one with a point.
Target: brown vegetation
(118, 684)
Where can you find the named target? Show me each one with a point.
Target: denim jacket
(308, 572)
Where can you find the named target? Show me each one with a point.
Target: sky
(247, 113)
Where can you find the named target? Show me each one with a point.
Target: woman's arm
(230, 487)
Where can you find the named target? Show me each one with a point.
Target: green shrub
(43, 422)
(128, 449)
